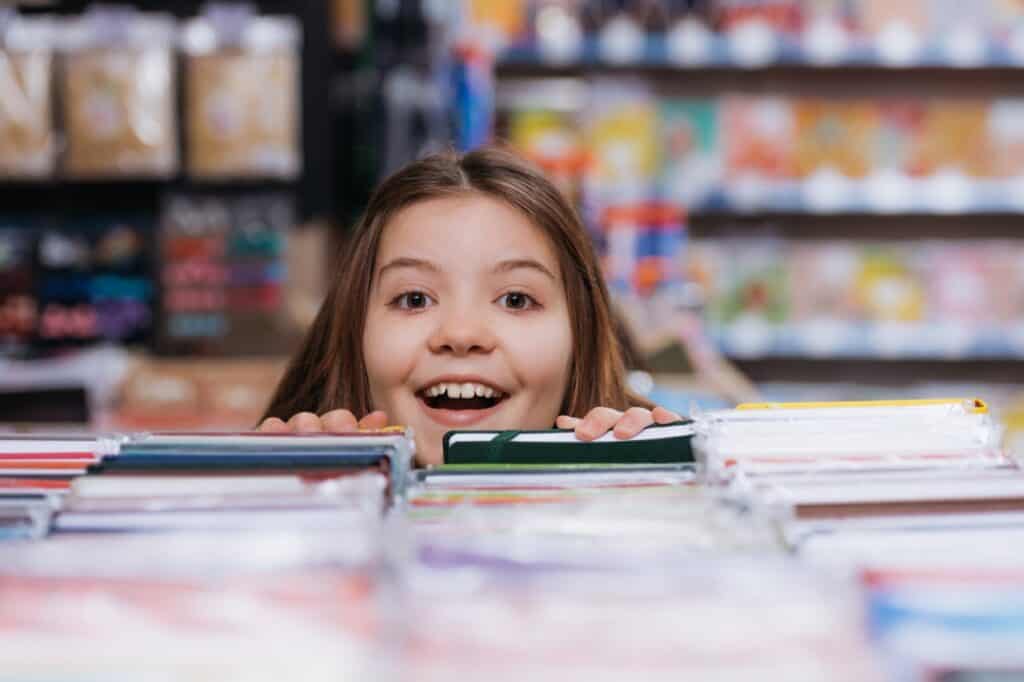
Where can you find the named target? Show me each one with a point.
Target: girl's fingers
(306, 422)
(377, 419)
(635, 420)
(663, 416)
(338, 421)
(597, 422)
(273, 425)
(564, 421)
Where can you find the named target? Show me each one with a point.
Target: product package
(242, 95)
(119, 94)
(27, 138)
(768, 438)
(690, 149)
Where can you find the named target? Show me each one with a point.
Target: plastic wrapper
(27, 139)
(119, 95)
(850, 437)
(242, 95)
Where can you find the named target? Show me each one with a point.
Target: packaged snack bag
(119, 95)
(242, 96)
(27, 140)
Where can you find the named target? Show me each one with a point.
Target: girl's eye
(411, 300)
(516, 300)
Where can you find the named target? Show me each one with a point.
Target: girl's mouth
(460, 396)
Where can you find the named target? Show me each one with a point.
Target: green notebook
(655, 444)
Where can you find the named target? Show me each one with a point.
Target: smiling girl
(468, 297)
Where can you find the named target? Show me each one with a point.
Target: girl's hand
(333, 421)
(623, 424)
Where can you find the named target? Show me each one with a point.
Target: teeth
(465, 390)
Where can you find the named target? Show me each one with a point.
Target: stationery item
(118, 86)
(663, 443)
(316, 455)
(180, 502)
(842, 496)
(25, 519)
(242, 94)
(27, 138)
(921, 434)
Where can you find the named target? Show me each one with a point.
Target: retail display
(753, 153)
(926, 298)
(639, 556)
(223, 271)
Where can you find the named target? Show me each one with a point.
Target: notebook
(669, 443)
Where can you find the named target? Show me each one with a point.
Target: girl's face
(468, 323)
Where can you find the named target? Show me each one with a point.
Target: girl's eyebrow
(407, 262)
(517, 263)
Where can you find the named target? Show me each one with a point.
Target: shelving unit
(882, 206)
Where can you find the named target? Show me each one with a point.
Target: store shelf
(942, 194)
(753, 338)
(754, 48)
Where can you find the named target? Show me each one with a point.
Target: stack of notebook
(166, 481)
(917, 497)
(36, 471)
(780, 438)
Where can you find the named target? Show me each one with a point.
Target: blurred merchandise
(242, 100)
(119, 95)
(759, 33)
(27, 138)
(95, 282)
(223, 272)
(350, 23)
(866, 298)
(19, 305)
(749, 153)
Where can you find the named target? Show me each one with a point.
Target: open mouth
(460, 396)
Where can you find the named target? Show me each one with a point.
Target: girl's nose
(462, 333)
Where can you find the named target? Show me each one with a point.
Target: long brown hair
(329, 371)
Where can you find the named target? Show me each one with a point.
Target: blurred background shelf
(692, 49)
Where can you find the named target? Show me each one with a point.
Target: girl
(469, 297)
